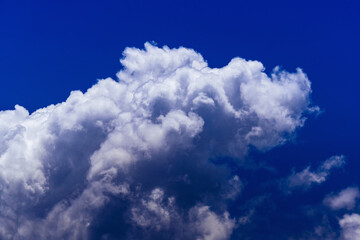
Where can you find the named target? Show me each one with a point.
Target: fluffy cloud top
(137, 149)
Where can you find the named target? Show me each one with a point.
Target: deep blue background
(48, 49)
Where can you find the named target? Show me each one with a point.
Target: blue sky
(48, 49)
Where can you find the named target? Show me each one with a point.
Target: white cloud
(344, 199)
(159, 213)
(307, 178)
(233, 188)
(167, 113)
(154, 212)
(210, 226)
(350, 226)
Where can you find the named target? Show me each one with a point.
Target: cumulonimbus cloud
(136, 150)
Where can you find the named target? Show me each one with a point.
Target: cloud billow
(130, 157)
